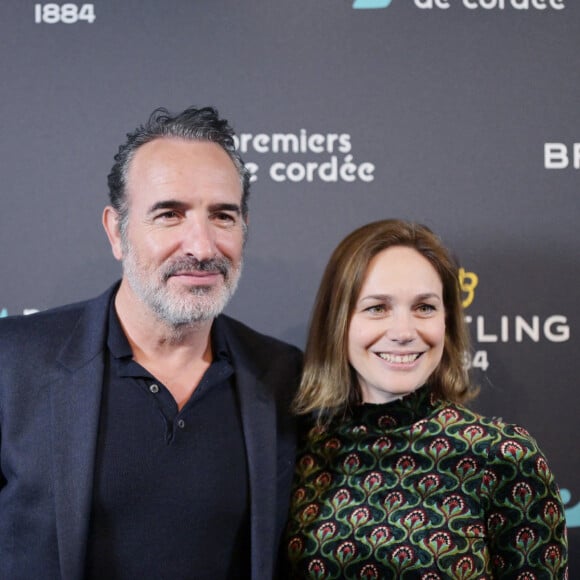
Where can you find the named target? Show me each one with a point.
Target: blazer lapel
(75, 404)
(259, 425)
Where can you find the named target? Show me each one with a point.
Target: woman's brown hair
(329, 385)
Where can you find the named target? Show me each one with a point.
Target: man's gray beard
(195, 305)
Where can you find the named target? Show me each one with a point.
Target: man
(143, 434)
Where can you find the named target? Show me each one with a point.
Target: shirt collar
(119, 346)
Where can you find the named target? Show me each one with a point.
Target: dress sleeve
(524, 513)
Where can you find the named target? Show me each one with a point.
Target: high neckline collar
(399, 413)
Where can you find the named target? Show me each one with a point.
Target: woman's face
(397, 331)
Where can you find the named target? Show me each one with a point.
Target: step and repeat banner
(460, 114)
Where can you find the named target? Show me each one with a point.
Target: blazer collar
(258, 413)
(75, 405)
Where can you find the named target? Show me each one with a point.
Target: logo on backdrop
(26, 312)
(469, 4)
(506, 328)
(561, 156)
(329, 157)
(371, 3)
(572, 511)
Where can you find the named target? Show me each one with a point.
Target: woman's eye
(376, 309)
(426, 308)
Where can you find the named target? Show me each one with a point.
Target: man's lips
(198, 273)
(196, 276)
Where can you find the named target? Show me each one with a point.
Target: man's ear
(111, 224)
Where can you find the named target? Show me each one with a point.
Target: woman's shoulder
(495, 435)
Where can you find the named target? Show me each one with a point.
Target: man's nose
(199, 239)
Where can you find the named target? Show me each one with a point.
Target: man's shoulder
(254, 339)
(51, 323)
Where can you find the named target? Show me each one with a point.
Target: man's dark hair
(192, 124)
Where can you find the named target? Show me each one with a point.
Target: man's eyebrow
(167, 204)
(180, 205)
(226, 207)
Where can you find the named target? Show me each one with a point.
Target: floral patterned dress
(422, 489)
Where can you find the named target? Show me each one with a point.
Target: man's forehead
(168, 160)
(177, 150)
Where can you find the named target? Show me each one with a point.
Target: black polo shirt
(171, 495)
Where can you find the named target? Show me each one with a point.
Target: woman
(396, 478)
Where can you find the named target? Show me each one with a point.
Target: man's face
(182, 247)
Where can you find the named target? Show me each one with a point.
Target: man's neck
(176, 357)
(148, 333)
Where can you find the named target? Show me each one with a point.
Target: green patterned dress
(426, 490)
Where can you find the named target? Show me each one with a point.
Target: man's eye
(225, 217)
(167, 215)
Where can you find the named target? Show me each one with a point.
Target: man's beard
(183, 306)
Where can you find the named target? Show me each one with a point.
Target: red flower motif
(351, 463)
(373, 480)
(299, 495)
(382, 445)
(464, 566)
(317, 567)
(404, 555)
(439, 447)
(526, 538)
(405, 464)
(448, 416)
(438, 543)
(454, 504)
(551, 512)
(387, 422)
(552, 555)
(512, 450)
(522, 493)
(393, 500)
(440, 539)
(477, 530)
(333, 444)
(521, 431)
(466, 467)
(369, 571)
(542, 469)
(415, 519)
(326, 530)
(379, 535)
(295, 546)
(359, 430)
(489, 480)
(427, 484)
(346, 551)
(323, 480)
(473, 433)
(310, 512)
(495, 521)
(360, 517)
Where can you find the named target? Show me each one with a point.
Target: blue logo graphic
(572, 512)
(371, 3)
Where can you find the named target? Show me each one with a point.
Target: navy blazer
(51, 375)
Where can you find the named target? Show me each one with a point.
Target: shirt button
(181, 423)
(154, 388)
